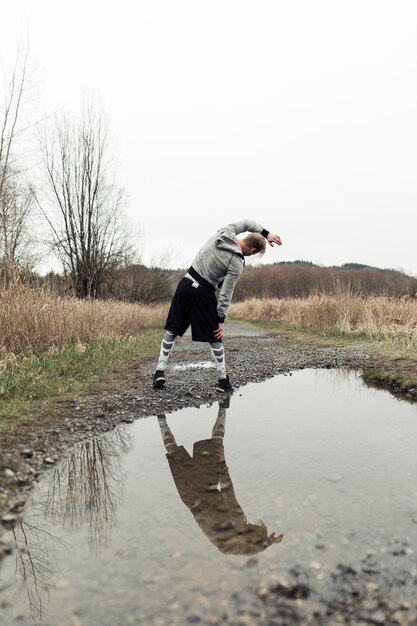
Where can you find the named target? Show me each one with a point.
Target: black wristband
(265, 233)
(220, 319)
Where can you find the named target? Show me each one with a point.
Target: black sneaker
(223, 385)
(158, 380)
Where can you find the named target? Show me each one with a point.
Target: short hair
(257, 241)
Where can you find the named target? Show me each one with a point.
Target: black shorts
(195, 305)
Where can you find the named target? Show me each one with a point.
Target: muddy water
(121, 533)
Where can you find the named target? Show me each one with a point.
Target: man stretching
(218, 265)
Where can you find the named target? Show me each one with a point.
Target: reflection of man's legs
(219, 426)
(217, 432)
(167, 436)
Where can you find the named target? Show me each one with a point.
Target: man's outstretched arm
(246, 225)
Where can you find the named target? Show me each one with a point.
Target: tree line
(302, 279)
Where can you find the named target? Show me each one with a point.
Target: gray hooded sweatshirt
(220, 261)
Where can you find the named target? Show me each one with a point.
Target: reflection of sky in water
(317, 456)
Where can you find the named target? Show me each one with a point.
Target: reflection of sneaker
(223, 385)
(224, 403)
(158, 380)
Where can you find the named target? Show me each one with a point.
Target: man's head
(254, 243)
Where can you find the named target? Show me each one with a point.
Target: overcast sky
(299, 114)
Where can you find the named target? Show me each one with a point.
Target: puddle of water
(199, 365)
(120, 533)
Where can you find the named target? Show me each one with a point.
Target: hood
(226, 240)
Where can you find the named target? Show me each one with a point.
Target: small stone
(48, 461)
(5, 549)
(370, 605)
(371, 587)
(9, 473)
(378, 617)
(400, 617)
(315, 565)
(17, 506)
(9, 520)
(245, 620)
(262, 591)
(193, 618)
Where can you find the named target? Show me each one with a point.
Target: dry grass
(33, 319)
(373, 316)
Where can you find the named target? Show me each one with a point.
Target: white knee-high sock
(166, 346)
(217, 352)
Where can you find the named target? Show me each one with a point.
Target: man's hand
(218, 333)
(271, 239)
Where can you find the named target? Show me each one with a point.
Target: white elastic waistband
(195, 283)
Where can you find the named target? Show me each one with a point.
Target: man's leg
(217, 352)
(166, 346)
(178, 321)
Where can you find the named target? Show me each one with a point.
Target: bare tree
(15, 195)
(15, 206)
(84, 206)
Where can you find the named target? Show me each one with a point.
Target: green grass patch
(71, 370)
(401, 380)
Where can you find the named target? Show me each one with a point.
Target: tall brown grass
(343, 312)
(34, 318)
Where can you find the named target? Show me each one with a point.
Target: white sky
(299, 114)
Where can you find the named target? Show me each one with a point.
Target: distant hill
(292, 279)
(344, 266)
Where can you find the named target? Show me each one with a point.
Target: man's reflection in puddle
(204, 484)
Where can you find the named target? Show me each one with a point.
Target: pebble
(400, 618)
(9, 520)
(245, 620)
(370, 605)
(378, 617)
